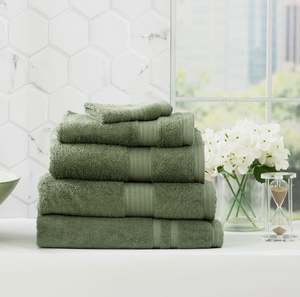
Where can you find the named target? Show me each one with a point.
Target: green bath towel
(117, 199)
(146, 111)
(57, 231)
(129, 164)
(173, 131)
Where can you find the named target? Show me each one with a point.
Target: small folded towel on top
(173, 131)
(117, 199)
(57, 231)
(129, 164)
(146, 111)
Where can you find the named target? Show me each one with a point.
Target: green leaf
(258, 170)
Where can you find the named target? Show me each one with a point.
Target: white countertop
(245, 266)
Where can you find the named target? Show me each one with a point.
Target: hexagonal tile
(30, 173)
(47, 8)
(150, 34)
(2, 168)
(130, 72)
(9, 9)
(32, 210)
(110, 95)
(28, 108)
(13, 208)
(39, 140)
(14, 145)
(48, 70)
(132, 8)
(90, 8)
(160, 72)
(110, 33)
(146, 94)
(163, 7)
(68, 32)
(13, 70)
(3, 109)
(28, 32)
(3, 33)
(88, 71)
(66, 98)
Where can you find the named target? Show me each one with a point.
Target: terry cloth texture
(118, 199)
(146, 111)
(57, 231)
(129, 164)
(173, 131)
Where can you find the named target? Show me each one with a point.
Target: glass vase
(240, 205)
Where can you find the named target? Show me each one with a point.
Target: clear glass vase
(240, 205)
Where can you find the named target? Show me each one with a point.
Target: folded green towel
(146, 111)
(59, 231)
(117, 199)
(173, 131)
(120, 163)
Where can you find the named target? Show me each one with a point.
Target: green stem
(241, 185)
(233, 203)
(243, 195)
(238, 202)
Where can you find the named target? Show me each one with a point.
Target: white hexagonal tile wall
(48, 8)
(30, 173)
(163, 7)
(3, 109)
(110, 95)
(146, 94)
(90, 8)
(9, 9)
(13, 208)
(150, 34)
(3, 33)
(2, 168)
(66, 98)
(88, 71)
(28, 32)
(28, 108)
(13, 70)
(32, 210)
(132, 8)
(39, 140)
(69, 32)
(130, 72)
(160, 72)
(48, 70)
(111, 33)
(14, 145)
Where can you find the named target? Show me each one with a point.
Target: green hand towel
(173, 131)
(146, 111)
(117, 199)
(119, 163)
(56, 231)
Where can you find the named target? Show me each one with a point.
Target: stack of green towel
(128, 176)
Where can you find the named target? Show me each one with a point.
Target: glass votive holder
(279, 224)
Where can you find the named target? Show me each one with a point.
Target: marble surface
(55, 55)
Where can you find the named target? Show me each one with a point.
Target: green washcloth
(173, 131)
(146, 111)
(117, 199)
(57, 231)
(120, 163)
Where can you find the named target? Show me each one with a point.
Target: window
(238, 59)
